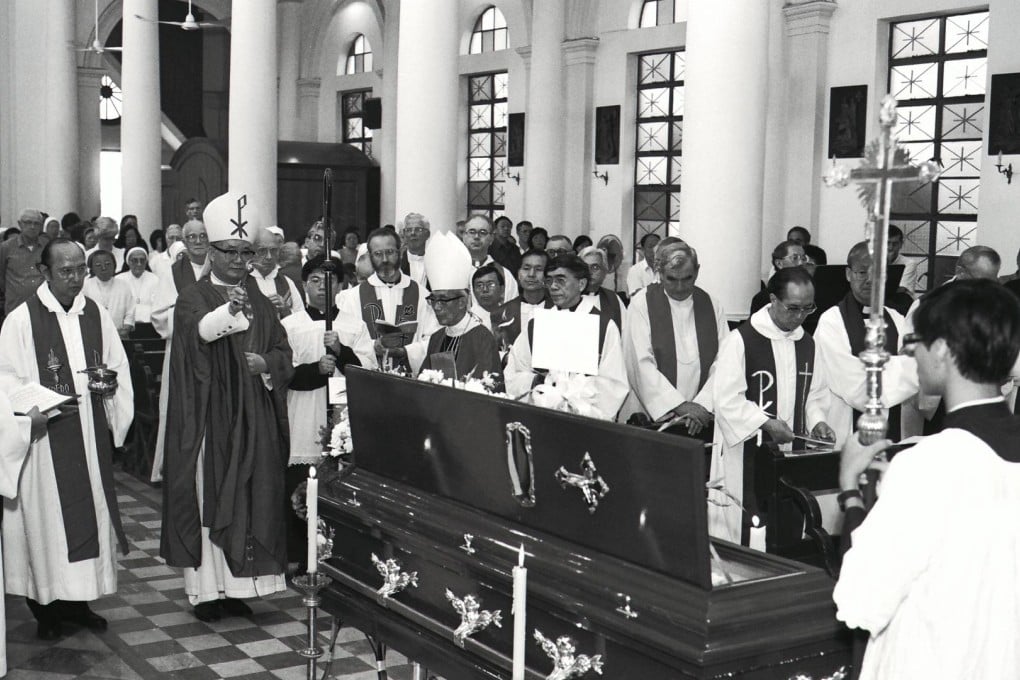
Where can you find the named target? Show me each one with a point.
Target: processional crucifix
(886, 164)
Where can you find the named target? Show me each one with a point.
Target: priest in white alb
(59, 533)
(840, 339)
(767, 386)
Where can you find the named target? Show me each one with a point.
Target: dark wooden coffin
(634, 580)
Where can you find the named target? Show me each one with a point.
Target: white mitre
(447, 262)
(232, 216)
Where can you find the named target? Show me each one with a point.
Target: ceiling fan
(97, 46)
(189, 23)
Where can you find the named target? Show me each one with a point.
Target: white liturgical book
(566, 341)
(33, 394)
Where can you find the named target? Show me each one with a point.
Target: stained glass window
(490, 32)
(111, 100)
(487, 95)
(658, 12)
(352, 107)
(359, 57)
(937, 72)
(660, 129)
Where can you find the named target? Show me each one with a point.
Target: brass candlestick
(310, 585)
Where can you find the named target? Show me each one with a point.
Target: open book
(33, 394)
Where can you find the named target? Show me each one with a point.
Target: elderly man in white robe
(17, 432)
(766, 385)
(840, 338)
(670, 341)
(600, 395)
(273, 283)
(478, 236)
(59, 533)
(387, 299)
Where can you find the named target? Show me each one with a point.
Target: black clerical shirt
(307, 376)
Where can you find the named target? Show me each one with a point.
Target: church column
(140, 135)
(289, 52)
(90, 140)
(543, 144)
(60, 106)
(308, 109)
(724, 144)
(384, 143)
(252, 124)
(426, 158)
(807, 33)
(578, 156)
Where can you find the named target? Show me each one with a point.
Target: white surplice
(946, 507)
(306, 409)
(416, 265)
(389, 295)
(639, 276)
(15, 438)
(267, 284)
(34, 542)
(213, 580)
(115, 297)
(739, 417)
(144, 292)
(654, 391)
(846, 378)
(611, 387)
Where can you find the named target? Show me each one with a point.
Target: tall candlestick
(520, 615)
(312, 503)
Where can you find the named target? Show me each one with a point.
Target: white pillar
(90, 140)
(578, 134)
(543, 143)
(308, 109)
(60, 108)
(290, 50)
(384, 141)
(426, 160)
(724, 144)
(140, 136)
(253, 128)
(807, 40)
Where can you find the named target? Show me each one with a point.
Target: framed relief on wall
(848, 117)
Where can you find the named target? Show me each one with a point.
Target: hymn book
(33, 394)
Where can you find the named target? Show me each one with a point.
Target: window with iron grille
(658, 162)
(352, 105)
(487, 95)
(937, 72)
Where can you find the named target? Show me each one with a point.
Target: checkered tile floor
(152, 632)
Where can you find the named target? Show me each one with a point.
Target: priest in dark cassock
(671, 339)
(608, 301)
(932, 572)
(59, 533)
(415, 232)
(767, 386)
(318, 355)
(227, 431)
(840, 339)
(464, 341)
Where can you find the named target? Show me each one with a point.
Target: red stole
(67, 442)
(663, 341)
(183, 274)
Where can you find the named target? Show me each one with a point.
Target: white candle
(520, 613)
(756, 540)
(312, 501)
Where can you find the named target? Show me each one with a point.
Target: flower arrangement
(487, 384)
(568, 392)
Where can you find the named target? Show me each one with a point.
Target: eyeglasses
(244, 255)
(193, 238)
(596, 267)
(380, 254)
(478, 233)
(442, 302)
(553, 252)
(558, 281)
(796, 310)
(486, 286)
(317, 237)
(266, 252)
(797, 258)
(910, 342)
(414, 231)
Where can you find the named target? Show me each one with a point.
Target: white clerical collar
(469, 321)
(411, 257)
(217, 281)
(50, 302)
(402, 282)
(977, 402)
(271, 276)
(762, 322)
(488, 260)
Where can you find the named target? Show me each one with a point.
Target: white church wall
(858, 54)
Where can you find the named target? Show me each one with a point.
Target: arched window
(359, 57)
(658, 13)
(490, 32)
(111, 100)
